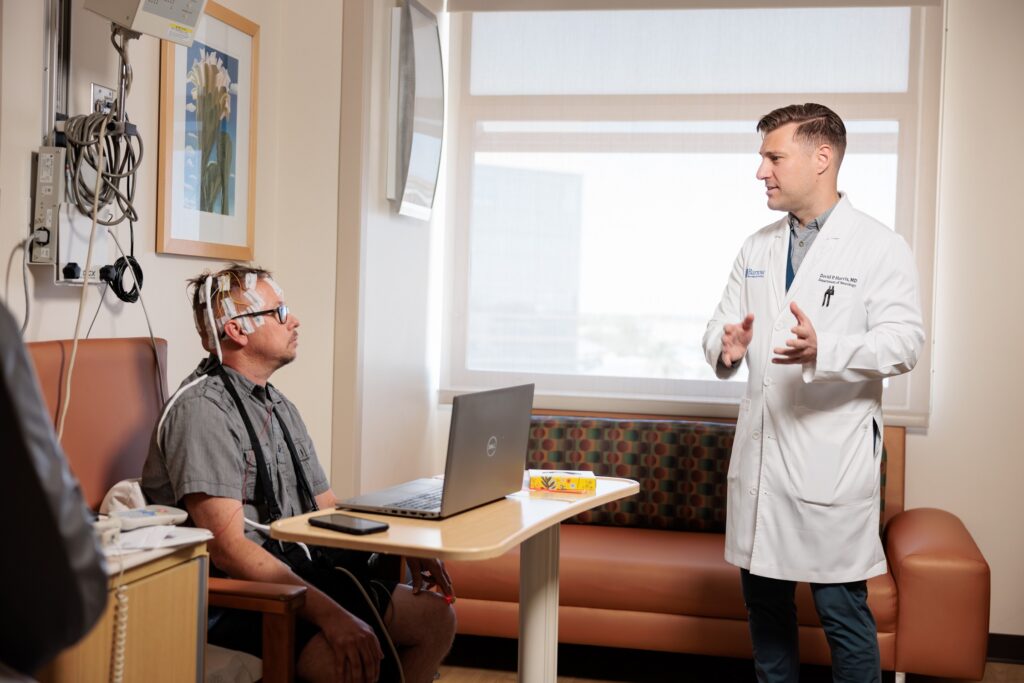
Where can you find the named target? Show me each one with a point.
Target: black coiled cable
(117, 282)
(114, 274)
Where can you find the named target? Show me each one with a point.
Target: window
(602, 182)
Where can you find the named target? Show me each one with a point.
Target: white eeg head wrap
(225, 295)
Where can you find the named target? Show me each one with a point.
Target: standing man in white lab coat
(821, 305)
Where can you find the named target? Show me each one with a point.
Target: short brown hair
(196, 288)
(819, 125)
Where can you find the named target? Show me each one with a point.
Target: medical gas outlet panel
(60, 233)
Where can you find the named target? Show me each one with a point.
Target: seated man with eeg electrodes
(234, 452)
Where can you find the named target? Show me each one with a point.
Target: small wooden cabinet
(165, 622)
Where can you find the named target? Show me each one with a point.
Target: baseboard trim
(1003, 647)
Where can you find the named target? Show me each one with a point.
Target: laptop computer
(486, 458)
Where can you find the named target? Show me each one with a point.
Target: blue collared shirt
(801, 238)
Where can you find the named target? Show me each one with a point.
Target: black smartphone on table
(348, 524)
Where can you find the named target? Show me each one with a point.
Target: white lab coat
(804, 477)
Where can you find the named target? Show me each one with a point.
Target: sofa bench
(648, 572)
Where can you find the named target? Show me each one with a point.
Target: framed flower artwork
(207, 159)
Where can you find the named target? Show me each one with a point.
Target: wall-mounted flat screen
(419, 119)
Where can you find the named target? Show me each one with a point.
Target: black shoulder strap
(264, 487)
(305, 492)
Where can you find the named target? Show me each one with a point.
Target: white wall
(397, 292)
(296, 210)
(395, 399)
(971, 460)
(306, 97)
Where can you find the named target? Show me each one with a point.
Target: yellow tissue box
(563, 481)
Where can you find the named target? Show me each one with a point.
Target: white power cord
(85, 281)
(99, 306)
(265, 530)
(24, 279)
(24, 246)
(149, 326)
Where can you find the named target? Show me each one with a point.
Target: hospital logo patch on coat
(752, 273)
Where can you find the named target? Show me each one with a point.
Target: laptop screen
(487, 446)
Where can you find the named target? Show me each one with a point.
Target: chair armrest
(256, 596)
(942, 587)
(279, 604)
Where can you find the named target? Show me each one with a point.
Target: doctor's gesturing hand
(736, 339)
(803, 349)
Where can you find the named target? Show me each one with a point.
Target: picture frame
(206, 179)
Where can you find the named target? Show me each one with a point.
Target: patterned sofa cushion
(681, 466)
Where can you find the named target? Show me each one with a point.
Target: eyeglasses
(281, 311)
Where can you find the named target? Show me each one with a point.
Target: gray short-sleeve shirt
(203, 446)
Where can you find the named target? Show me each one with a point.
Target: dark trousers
(843, 610)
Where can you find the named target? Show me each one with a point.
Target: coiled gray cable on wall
(123, 151)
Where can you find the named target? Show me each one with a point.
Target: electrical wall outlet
(60, 234)
(48, 193)
(73, 230)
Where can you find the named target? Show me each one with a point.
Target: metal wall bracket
(56, 66)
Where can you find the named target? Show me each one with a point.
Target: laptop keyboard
(424, 501)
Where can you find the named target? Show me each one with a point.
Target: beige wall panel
(971, 459)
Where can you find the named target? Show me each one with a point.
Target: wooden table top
(478, 534)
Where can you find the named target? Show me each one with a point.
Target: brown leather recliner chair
(118, 391)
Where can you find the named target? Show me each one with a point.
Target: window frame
(907, 397)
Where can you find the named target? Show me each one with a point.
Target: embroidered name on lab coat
(845, 280)
(751, 273)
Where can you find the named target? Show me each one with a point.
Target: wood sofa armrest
(279, 604)
(942, 586)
